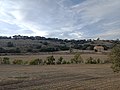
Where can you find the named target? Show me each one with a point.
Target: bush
(0, 60)
(36, 62)
(89, 60)
(98, 61)
(72, 60)
(94, 62)
(50, 60)
(17, 50)
(68, 62)
(10, 44)
(77, 59)
(25, 62)
(44, 62)
(64, 62)
(6, 60)
(59, 60)
(19, 62)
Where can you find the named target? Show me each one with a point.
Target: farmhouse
(99, 48)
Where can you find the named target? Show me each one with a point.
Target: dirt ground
(59, 77)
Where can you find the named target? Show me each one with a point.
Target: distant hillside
(36, 44)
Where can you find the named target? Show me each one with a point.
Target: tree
(115, 58)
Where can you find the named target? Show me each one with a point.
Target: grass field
(59, 77)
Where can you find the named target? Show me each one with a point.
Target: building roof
(98, 47)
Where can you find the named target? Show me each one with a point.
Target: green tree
(115, 58)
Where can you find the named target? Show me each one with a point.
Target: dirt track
(58, 77)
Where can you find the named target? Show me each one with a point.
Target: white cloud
(66, 18)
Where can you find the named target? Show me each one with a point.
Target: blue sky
(66, 19)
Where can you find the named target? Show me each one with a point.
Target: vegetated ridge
(36, 44)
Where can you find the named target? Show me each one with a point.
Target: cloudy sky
(70, 19)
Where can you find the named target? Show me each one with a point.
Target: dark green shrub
(94, 62)
(64, 62)
(89, 60)
(59, 60)
(50, 60)
(6, 60)
(25, 62)
(98, 61)
(17, 50)
(0, 60)
(36, 62)
(72, 60)
(19, 62)
(68, 62)
(44, 62)
(29, 50)
(77, 59)
(10, 44)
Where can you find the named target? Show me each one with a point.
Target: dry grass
(59, 77)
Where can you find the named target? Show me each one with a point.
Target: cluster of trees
(41, 44)
(15, 50)
(16, 37)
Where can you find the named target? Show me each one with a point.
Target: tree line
(50, 60)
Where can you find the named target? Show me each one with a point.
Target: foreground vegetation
(115, 58)
(51, 60)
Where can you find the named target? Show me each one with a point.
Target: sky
(64, 19)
